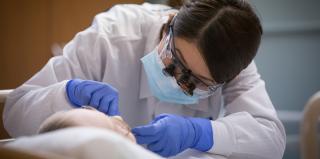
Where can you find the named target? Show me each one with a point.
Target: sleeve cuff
(223, 138)
(61, 97)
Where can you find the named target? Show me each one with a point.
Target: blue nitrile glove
(99, 95)
(168, 134)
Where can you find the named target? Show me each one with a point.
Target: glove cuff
(204, 134)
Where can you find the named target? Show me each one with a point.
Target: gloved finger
(147, 139)
(97, 97)
(71, 91)
(166, 152)
(82, 94)
(87, 88)
(150, 129)
(109, 101)
(113, 108)
(159, 117)
(159, 145)
(79, 98)
(105, 104)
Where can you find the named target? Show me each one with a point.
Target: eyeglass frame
(185, 71)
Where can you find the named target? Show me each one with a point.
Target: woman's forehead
(190, 55)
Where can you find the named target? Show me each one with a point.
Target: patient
(89, 117)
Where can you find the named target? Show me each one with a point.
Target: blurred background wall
(290, 52)
(288, 60)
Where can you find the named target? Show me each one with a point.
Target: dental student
(181, 78)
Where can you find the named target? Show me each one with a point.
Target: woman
(194, 61)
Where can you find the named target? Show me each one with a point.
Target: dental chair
(309, 130)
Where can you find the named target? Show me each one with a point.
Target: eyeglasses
(188, 82)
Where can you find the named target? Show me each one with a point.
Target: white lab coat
(110, 51)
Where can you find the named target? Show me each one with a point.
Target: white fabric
(83, 143)
(93, 143)
(109, 51)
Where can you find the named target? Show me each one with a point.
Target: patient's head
(86, 117)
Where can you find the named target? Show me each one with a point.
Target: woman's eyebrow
(182, 58)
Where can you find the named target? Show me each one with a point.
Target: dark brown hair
(175, 3)
(227, 33)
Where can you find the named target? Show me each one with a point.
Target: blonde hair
(54, 122)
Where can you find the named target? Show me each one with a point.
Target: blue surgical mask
(164, 88)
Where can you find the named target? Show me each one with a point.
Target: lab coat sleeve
(250, 128)
(85, 57)
(30, 104)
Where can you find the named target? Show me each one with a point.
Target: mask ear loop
(168, 38)
(166, 52)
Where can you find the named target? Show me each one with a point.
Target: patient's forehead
(89, 117)
(94, 118)
(85, 114)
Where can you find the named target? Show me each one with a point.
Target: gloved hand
(99, 95)
(169, 134)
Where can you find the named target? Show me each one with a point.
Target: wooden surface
(28, 29)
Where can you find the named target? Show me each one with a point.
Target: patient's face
(93, 118)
